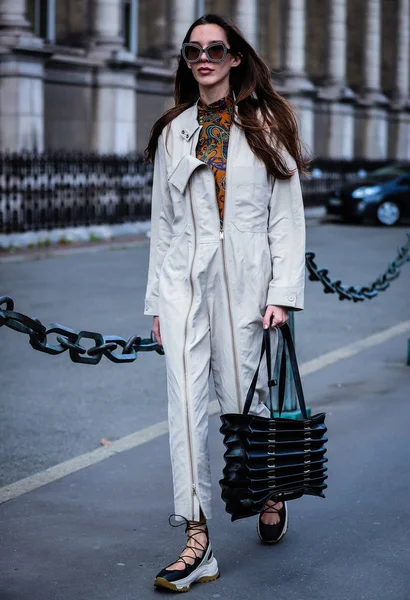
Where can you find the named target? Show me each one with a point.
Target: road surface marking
(330, 358)
(148, 434)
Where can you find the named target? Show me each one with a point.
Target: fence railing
(326, 175)
(45, 191)
(60, 190)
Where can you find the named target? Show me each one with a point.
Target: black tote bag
(278, 458)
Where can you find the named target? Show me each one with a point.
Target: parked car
(384, 195)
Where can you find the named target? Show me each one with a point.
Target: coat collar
(188, 122)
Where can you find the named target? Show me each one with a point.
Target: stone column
(22, 59)
(182, 15)
(246, 18)
(296, 85)
(13, 22)
(295, 46)
(372, 48)
(107, 25)
(399, 135)
(336, 45)
(334, 123)
(402, 64)
(114, 126)
(371, 130)
(22, 102)
(13, 15)
(400, 118)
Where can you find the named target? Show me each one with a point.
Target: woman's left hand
(275, 316)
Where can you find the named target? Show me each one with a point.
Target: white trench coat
(210, 288)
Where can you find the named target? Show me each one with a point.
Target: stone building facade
(93, 75)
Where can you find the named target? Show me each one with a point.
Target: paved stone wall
(355, 20)
(153, 28)
(72, 22)
(271, 36)
(88, 92)
(388, 56)
(152, 105)
(225, 7)
(69, 100)
(316, 31)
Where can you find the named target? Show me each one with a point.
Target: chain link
(69, 339)
(106, 345)
(355, 293)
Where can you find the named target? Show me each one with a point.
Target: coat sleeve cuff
(151, 308)
(285, 297)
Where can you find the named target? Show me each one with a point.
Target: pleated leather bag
(278, 458)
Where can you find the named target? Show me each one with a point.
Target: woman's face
(206, 73)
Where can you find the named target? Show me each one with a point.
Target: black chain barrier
(355, 293)
(68, 339)
(105, 345)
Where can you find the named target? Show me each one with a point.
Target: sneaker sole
(206, 573)
(282, 535)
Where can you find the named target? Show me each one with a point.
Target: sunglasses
(215, 52)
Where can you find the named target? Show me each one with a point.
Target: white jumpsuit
(210, 289)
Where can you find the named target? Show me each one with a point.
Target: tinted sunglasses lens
(216, 52)
(191, 52)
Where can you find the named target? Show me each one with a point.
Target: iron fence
(60, 190)
(327, 175)
(45, 191)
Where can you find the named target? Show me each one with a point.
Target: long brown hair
(264, 115)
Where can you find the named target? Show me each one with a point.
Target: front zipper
(226, 279)
(188, 420)
(235, 358)
(238, 392)
(194, 493)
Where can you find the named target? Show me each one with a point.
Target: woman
(227, 255)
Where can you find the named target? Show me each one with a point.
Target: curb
(35, 245)
(45, 238)
(315, 212)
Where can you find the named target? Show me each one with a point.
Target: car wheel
(388, 213)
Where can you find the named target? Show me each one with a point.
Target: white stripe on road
(352, 349)
(52, 474)
(154, 431)
(80, 462)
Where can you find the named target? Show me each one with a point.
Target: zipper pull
(221, 235)
(193, 491)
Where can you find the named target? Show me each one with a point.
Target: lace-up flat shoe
(272, 534)
(203, 569)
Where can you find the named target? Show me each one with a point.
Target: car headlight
(364, 191)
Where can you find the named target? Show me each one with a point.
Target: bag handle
(266, 346)
(271, 382)
(288, 342)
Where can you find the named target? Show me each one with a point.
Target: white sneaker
(203, 569)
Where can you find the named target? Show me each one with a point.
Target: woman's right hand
(157, 331)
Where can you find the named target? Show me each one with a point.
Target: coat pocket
(251, 193)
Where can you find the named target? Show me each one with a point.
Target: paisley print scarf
(213, 142)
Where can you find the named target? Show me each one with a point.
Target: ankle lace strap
(195, 528)
(271, 508)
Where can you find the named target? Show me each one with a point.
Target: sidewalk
(91, 235)
(102, 533)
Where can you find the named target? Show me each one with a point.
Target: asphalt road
(102, 533)
(52, 409)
